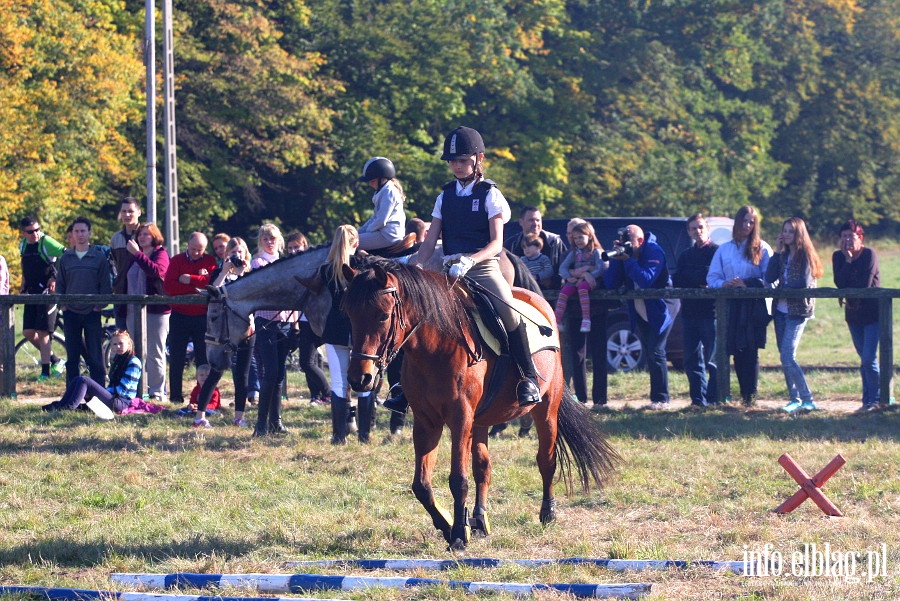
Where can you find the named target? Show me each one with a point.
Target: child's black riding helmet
(462, 142)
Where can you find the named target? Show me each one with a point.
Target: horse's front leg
(481, 469)
(425, 441)
(460, 456)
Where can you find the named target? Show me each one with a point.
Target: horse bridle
(224, 339)
(388, 351)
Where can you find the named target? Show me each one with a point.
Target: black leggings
(240, 372)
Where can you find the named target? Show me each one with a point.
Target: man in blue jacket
(642, 265)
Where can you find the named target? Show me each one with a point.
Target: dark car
(624, 349)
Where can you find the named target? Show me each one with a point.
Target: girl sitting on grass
(124, 375)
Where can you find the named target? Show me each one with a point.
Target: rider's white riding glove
(458, 270)
(450, 259)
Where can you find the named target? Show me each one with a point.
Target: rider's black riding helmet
(378, 168)
(462, 142)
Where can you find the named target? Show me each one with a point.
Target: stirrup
(527, 392)
(398, 402)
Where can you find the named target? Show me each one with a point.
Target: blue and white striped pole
(76, 594)
(619, 565)
(296, 583)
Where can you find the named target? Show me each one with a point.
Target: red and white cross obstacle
(810, 487)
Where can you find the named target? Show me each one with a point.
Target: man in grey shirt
(83, 270)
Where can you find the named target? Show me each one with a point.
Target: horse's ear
(313, 284)
(381, 275)
(349, 272)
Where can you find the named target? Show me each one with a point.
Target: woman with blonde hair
(337, 338)
(742, 263)
(235, 265)
(124, 377)
(794, 265)
(273, 331)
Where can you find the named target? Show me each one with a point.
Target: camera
(237, 261)
(621, 248)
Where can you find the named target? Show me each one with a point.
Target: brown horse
(445, 376)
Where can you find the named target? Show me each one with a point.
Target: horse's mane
(424, 293)
(282, 260)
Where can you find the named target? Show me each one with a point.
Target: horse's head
(372, 302)
(225, 329)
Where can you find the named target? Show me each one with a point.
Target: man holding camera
(188, 272)
(638, 262)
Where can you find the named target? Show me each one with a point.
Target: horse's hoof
(457, 545)
(447, 537)
(460, 535)
(548, 511)
(479, 522)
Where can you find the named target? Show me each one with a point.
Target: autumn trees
(589, 107)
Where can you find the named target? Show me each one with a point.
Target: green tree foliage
(69, 83)
(588, 107)
(251, 108)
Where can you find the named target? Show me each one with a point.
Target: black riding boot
(339, 407)
(275, 425)
(398, 420)
(366, 412)
(262, 417)
(527, 391)
(398, 401)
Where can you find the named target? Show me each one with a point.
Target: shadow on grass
(64, 552)
(734, 423)
(165, 431)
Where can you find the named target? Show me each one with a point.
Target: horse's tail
(582, 443)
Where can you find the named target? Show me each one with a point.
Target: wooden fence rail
(885, 298)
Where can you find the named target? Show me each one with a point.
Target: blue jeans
(657, 365)
(788, 330)
(81, 389)
(700, 359)
(84, 336)
(865, 339)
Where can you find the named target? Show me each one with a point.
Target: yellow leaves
(69, 83)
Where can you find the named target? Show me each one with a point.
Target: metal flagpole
(150, 64)
(169, 117)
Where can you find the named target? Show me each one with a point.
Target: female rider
(469, 214)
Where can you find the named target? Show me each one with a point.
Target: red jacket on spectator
(182, 264)
(215, 402)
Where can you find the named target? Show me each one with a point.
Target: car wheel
(624, 350)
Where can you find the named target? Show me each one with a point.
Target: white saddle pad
(536, 340)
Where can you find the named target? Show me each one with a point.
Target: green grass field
(81, 499)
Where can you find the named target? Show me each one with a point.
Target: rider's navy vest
(465, 226)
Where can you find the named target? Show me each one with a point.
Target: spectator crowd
(468, 219)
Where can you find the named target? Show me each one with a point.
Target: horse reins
(388, 352)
